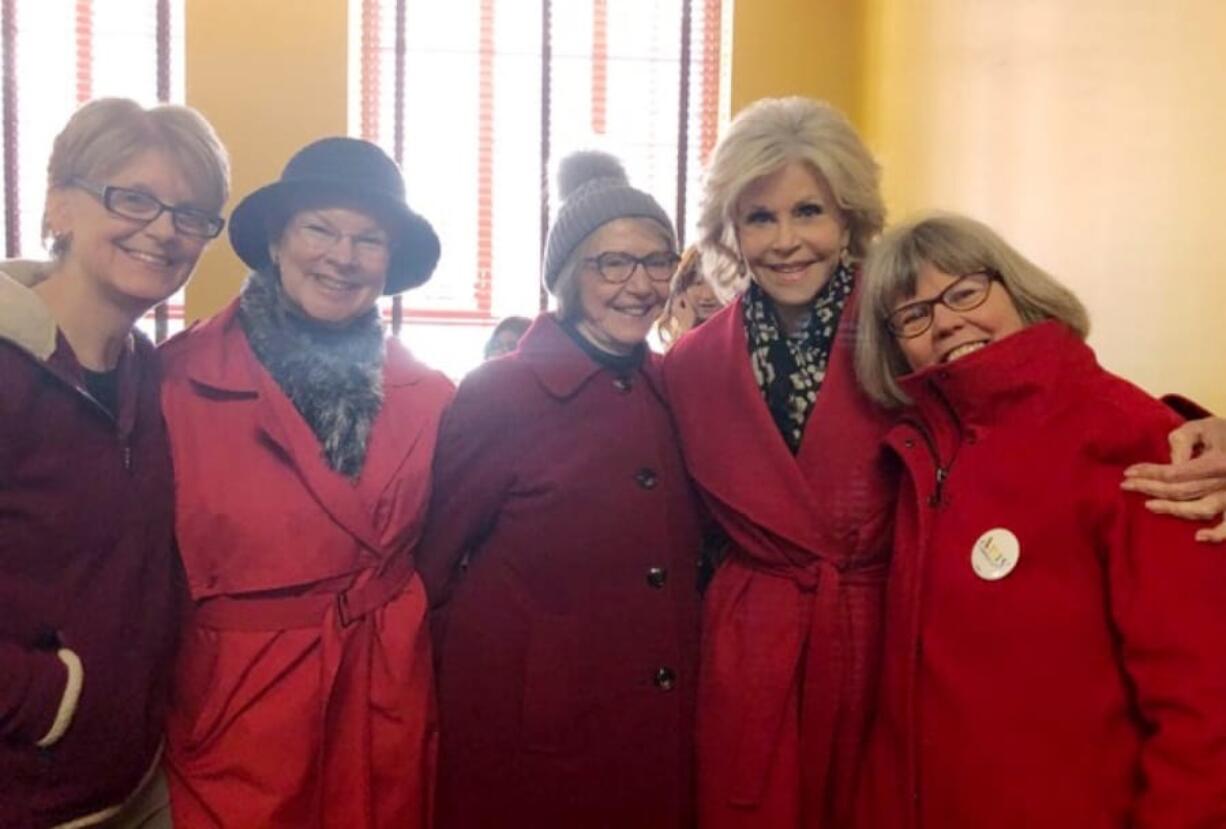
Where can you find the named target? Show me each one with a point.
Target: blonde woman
(90, 595)
(784, 446)
(692, 299)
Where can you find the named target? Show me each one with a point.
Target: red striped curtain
(56, 54)
(477, 101)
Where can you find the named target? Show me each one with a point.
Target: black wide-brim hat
(359, 174)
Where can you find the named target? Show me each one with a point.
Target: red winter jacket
(792, 618)
(89, 593)
(1085, 688)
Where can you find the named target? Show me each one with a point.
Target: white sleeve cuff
(68, 702)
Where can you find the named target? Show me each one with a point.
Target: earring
(845, 257)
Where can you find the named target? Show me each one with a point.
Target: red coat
(791, 624)
(1086, 689)
(567, 653)
(296, 707)
(90, 591)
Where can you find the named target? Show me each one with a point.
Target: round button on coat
(646, 478)
(665, 679)
(657, 576)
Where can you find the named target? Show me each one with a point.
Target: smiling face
(700, 298)
(791, 233)
(617, 317)
(135, 264)
(954, 334)
(333, 262)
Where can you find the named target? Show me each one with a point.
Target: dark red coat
(325, 719)
(87, 564)
(1086, 689)
(567, 653)
(791, 624)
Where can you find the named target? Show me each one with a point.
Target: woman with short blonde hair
(89, 582)
(784, 445)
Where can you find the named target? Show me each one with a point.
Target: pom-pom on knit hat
(594, 191)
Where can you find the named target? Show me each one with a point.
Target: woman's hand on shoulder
(1193, 485)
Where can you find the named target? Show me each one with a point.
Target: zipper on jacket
(942, 471)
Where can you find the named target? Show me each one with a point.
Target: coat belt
(292, 612)
(778, 685)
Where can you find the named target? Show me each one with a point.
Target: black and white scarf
(333, 376)
(790, 368)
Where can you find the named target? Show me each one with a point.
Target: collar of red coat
(220, 358)
(559, 363)
(1018, 377)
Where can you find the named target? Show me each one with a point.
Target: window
(477, 101)
(57, 54)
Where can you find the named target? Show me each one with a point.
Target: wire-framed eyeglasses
(618, 266)
(967, 293)
(140, 206)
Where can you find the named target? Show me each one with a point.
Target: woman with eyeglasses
(1055, 653)
(785, 448)
(561, 551)
(90, 594)
(302, 438)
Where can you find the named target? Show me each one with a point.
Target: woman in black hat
(302, 439)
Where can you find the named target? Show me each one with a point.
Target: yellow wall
(271, 76)
(1090, 135)
(1086, 132)
(798, 47)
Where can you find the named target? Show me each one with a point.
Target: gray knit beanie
(594, 191)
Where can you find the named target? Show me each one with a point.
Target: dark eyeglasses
(142, 207)
(618, 266)
(968, 293)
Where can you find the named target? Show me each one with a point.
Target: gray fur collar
(334, 377)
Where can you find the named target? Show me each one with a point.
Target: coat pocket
(555, 702)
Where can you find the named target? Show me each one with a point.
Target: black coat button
(665, 679)
(646, 478)
(622, 384)
(657, 576)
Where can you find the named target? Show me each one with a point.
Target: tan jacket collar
(24, 320)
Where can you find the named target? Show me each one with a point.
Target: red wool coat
(791, 622)
(1086, 689)
(296, 706)
(562, 547)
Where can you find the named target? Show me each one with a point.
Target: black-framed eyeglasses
(967, 293)
(618, 266)
(140, 206)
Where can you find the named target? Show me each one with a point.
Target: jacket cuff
(68, 701)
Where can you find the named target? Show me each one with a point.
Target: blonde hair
(688, 273)
(104, 135)
(766, 136)
(956, 245)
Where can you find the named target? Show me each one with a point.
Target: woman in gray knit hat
(560, 554)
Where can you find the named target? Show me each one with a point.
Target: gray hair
(768, 135)
(566, 286)
(103, 136)
(956, 245)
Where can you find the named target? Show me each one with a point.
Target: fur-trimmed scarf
(333, 376)
(790, 369)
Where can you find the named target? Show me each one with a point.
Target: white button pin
(995, 554)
